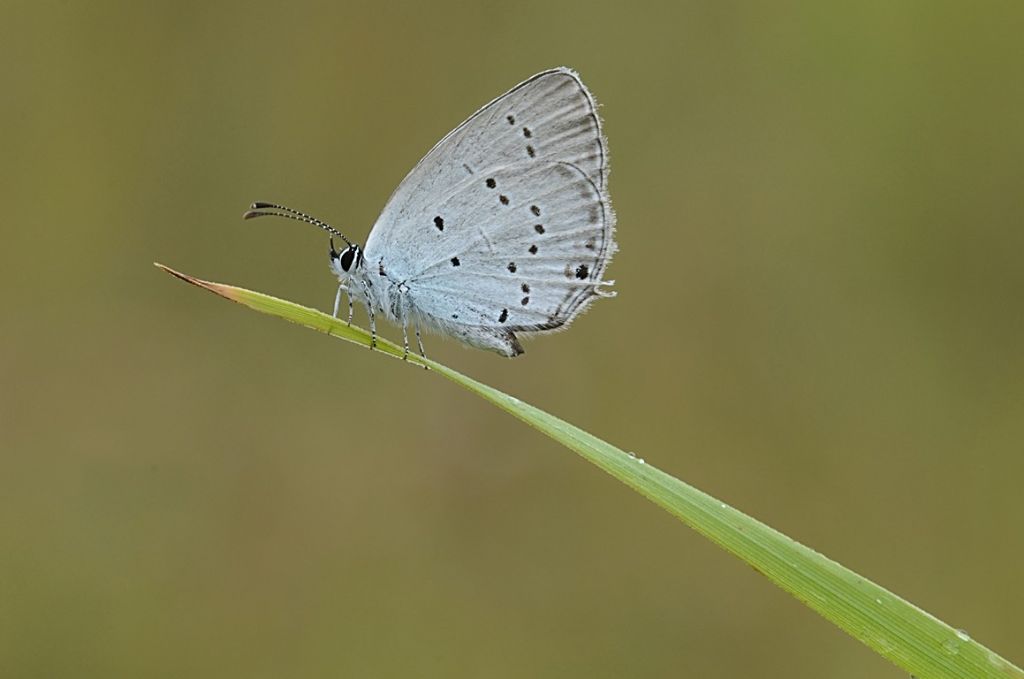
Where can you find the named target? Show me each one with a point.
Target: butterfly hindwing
(528, 258)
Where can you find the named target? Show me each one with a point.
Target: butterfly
(504, 228)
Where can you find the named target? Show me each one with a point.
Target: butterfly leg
(350, 310)
(419, 341)
(405, 342)
(337, 301)
(369, 310)
(373, 329)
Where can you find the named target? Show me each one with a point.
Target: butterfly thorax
(372, 283)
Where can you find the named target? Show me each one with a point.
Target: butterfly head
(344, 264)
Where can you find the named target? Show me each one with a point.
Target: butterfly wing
(505, 225)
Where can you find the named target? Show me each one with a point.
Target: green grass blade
(896, 629)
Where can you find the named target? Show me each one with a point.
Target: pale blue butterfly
(504, 227)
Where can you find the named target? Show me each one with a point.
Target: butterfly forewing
(550, 117)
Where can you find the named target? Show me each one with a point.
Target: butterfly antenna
(260, 209)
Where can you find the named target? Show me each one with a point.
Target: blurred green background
(819, 320)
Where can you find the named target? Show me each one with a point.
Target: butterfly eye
(346, 258)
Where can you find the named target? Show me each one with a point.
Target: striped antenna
(260, 209)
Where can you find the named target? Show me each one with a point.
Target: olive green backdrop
(819, 320)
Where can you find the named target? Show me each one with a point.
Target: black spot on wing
(439, 223)
(455, 261)
(582, 272)
(503, 316)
